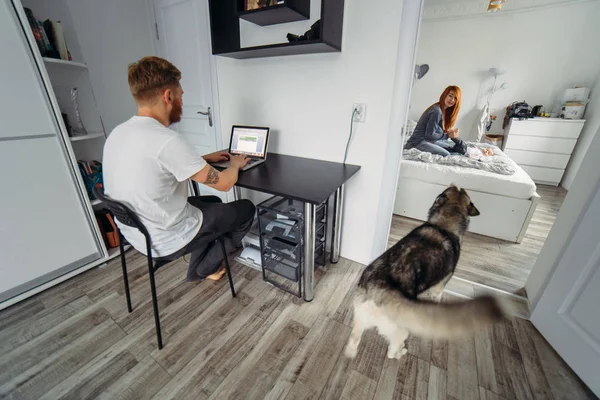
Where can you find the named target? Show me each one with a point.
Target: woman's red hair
(450, 114)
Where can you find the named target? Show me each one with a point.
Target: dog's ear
(472, 210)
(440, 200)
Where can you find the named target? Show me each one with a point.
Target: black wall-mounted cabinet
(225, 30)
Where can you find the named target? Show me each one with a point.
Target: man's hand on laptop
(217, 156)
(238, 161)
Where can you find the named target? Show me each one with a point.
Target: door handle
(209, 114)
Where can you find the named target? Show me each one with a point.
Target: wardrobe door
(45, 229)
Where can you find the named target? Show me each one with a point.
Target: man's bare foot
(217, 275)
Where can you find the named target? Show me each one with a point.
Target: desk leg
(336, 234)
(309, 251)
(237, 193)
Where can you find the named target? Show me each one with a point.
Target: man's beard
(176, 112)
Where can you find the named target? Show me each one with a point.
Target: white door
(183, 38)
(568, 312)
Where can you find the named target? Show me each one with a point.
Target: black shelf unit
(289, 11)
(281, 227)
(225, 31)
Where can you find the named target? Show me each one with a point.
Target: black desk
(312, 182)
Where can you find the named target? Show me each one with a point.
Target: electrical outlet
(361, 112)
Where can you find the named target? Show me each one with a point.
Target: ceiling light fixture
(495, 5)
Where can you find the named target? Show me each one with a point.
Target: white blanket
(499, 163)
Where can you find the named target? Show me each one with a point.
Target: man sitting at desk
(147, 167)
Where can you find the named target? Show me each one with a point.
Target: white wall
(544, 51)
(592, 124)
(112, 34)
(307, 101)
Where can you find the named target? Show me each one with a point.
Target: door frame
(567, 218)
(584, 187)
(212, 62)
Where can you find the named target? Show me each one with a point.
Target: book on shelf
(35, 29)
(49, 37)
(91, 172)
(55, 32)
(50, 51)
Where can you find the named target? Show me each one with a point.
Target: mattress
(519, 185)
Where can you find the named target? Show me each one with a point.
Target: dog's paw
(397, 354)
(351, 351)
(400, 353)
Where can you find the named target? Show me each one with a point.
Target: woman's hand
(453, 133)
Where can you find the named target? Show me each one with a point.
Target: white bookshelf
(91, 135)
(114, 252)
(64, 62)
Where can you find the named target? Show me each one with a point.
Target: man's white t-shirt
(146, 167)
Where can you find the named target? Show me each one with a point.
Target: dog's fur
(399, 292)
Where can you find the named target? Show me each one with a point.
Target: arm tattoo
(212, 177)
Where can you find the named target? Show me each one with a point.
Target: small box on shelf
(277, 12)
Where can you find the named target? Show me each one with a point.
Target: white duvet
(518, 185)
(498, 163)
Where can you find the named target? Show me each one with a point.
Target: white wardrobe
(48, 231)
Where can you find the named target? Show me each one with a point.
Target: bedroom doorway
(519, 208)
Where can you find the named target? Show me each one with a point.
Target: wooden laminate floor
(494, 262)
(77, 341)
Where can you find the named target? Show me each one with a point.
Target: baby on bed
(476, 152)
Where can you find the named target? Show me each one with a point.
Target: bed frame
(501, 217)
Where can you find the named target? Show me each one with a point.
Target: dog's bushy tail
(429, 319)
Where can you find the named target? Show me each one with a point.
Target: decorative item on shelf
(314, 33)
(519, 110)
(255, 4)
(572, 110)
(78, 129)
(67, 125)
(574, 102)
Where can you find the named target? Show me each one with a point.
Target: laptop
(250, 141)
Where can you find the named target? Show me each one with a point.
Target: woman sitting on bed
(436, 125)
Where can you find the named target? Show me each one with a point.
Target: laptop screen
(251, 141)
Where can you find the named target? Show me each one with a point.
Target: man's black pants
(231, 221)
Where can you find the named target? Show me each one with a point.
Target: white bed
(506, 202)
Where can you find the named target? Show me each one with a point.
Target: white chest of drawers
(542, 146)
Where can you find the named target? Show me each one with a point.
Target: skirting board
(501, 217)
